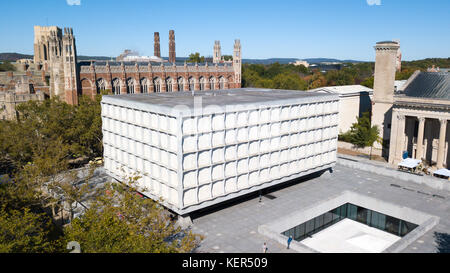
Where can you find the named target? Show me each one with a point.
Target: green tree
(227, 57)
(196, 58)
(43, 125)
(339, 77)
(121, 220)
(362, 134)
(368, 82)
(7, 66)
(22, 231)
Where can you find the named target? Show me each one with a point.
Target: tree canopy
(302, 78)
(196, 58)
(123, 221)
(44, 185)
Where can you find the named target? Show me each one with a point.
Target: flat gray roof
(233, 227)
(236, 99)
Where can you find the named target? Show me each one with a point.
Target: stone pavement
(233, 227)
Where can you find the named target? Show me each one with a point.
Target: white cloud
(73, 2)
(369, 2)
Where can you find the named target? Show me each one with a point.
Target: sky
(341, 29)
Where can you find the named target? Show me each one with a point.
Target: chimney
(157, 51)
(172, 55)
(383, 87)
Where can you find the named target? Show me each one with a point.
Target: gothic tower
(383, 90)
(69, 61)
(237, 63)
(217, 53)
(172, 55)
(157, 51)
(42, 36)
(53, 63)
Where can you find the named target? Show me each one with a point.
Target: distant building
(300, 62)
(399, 85)
(437, 69)
(353, 101)
(69, 79)
(132, 56)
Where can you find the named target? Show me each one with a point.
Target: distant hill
(98, 58)
(12, 57)
(290, 60)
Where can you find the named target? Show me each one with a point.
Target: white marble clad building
(196, 151)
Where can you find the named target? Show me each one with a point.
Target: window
(191, 84)
(212, 83)
(157, 85)
(169, 84)
(101, 85)
(144, 85)
(130, 86)
(116, 87)
(180, 84)
(221, 83)
(202, 83)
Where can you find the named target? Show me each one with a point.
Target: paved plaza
(233, 227)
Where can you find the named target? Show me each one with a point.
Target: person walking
(289, 241)
(264, 247)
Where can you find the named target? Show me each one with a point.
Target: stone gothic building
(69, 79)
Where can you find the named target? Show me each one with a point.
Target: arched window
(130, 86)
(212, 83)
(116, 86)
(202, 83)
(222, 83)
(101, 85)
(169, 84)
(145, 84)
(191, 84)
(157, 85)
(180, 84)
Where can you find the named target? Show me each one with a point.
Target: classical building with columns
(420, 117)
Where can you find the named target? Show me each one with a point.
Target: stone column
(397, 139)
(401, 134)
(419, 151)
(441, 147)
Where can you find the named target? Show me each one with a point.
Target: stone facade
(146, 78)
(22, 91)
(70, 79)
(383, 91)
(420, 124)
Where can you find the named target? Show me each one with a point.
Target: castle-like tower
(217, 52)
(172, 55)
(42, 36)
(237, 61)
(57, 52)
(157, 50)
(383, 90)
(69, 61)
